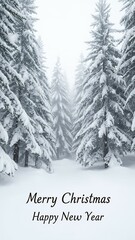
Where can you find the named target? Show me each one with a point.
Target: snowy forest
(41, 120)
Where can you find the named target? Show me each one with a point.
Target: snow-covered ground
(119, 215)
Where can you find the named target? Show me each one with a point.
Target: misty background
(64, 27)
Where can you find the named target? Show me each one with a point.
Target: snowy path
(117, 223)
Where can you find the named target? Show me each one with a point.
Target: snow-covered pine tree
(103, 125)
(44, 109)
(127, 62)
(9, 104)
(31, 95)
(61, 113)
(77, 109)
(23, 60)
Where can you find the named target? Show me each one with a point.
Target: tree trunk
(106, 165)
(26, 158)
(105, 150)
(17, 144)
(58, 153)
(36, 160)
(16, 152)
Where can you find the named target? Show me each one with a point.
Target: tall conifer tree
(61, 113)
(10, 106)
(32, 95)
(78, 94)
(127, 62)
(104, 138)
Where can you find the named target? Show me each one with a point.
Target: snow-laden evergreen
(44, 110)
(61, 113)
(9, 104)
(127, 62)
(104, 123)
(32, 95)
(78, 94)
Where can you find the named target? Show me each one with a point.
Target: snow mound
(7, 165)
